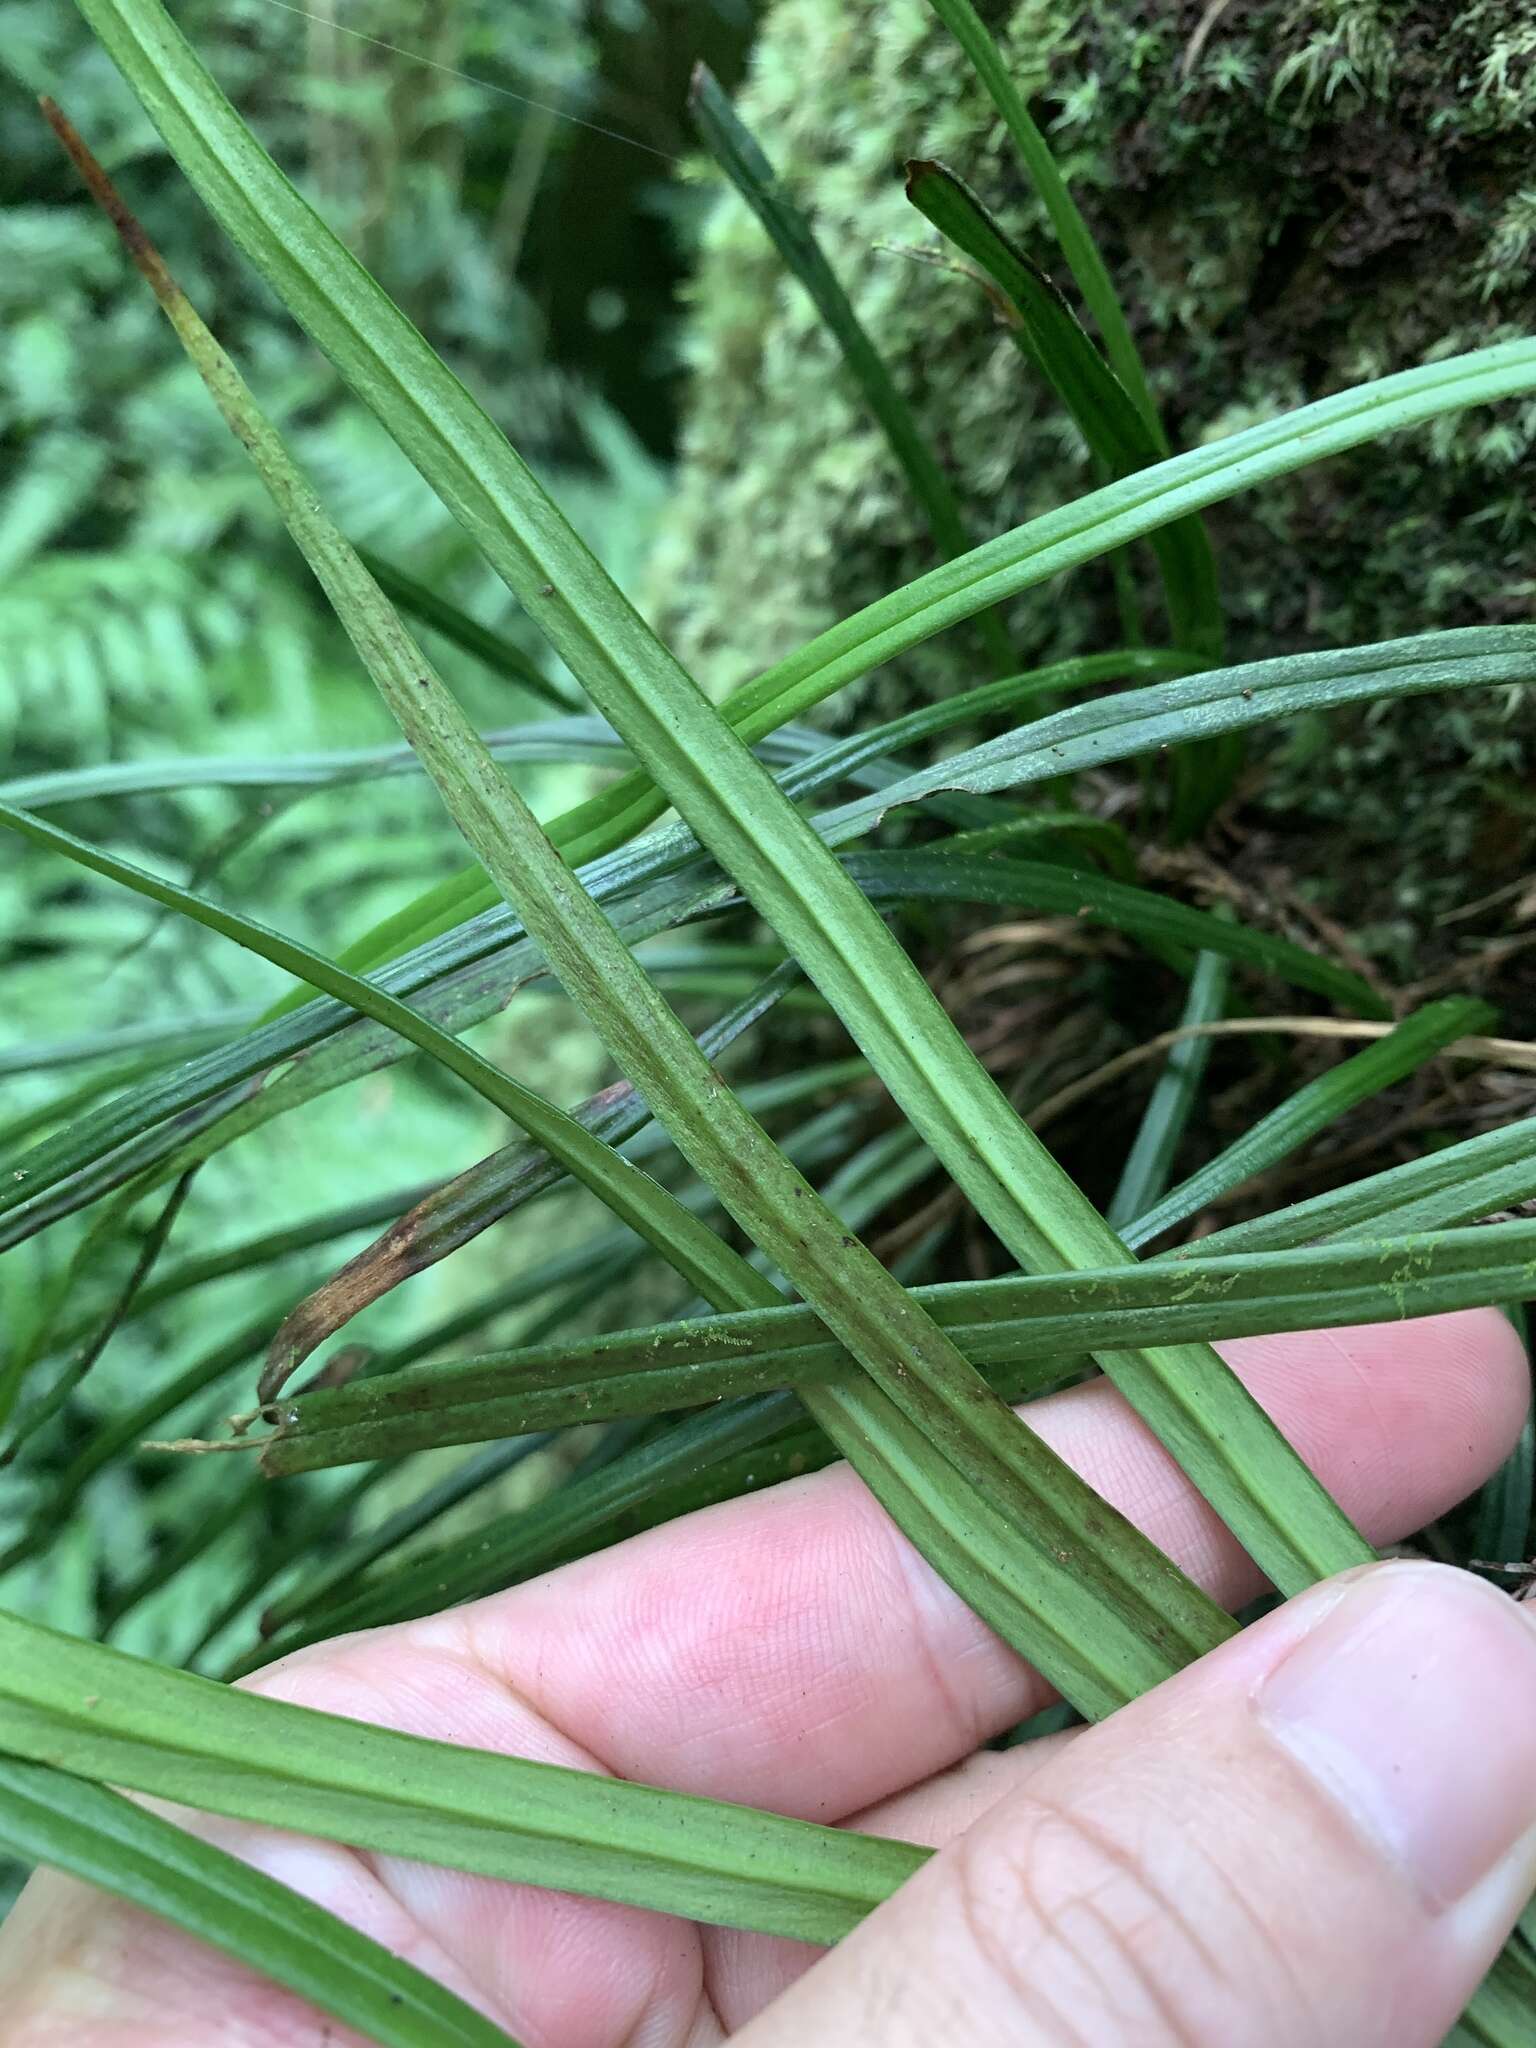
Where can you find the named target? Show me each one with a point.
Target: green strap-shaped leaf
(334, 1566)
(24, 1354)
(485, 966)
(1108, 729)
(60, 1111)
(1312, 1108)
(723, 1452)
(1158, 921)
(1028, 1330)
(1111, 729)
(736, 150)
(122, 1721)
(1108, 417)
(1071, 230)
(1118, 727)
(582, 739)
(715, 1455)
(1203, 771)
(1145, 1175)
(166, 1038)
(93, 1833)
(126, 1428)
(1119, 512)
(318, 1531)
(740, 1445)
(456, 984)
(730, 1449)
(1047, 328)
(597, 1262)
(499, 654)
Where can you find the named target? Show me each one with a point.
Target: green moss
(1293, 195)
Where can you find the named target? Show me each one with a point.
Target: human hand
(1320, 1834)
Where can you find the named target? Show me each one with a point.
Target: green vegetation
(813, 999)
(151, 607)
(1292, 196)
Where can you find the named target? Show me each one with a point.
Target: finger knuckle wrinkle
(1072, 1926)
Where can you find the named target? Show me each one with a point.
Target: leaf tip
(101, 188)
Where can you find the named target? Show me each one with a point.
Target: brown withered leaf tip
(101, 187)
(108, 198)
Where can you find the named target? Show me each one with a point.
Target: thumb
(1321, 1833)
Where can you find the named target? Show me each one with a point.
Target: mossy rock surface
(1291, 197)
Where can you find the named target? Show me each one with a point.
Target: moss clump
(1293, 195)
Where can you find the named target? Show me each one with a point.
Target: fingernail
(1412, 1702)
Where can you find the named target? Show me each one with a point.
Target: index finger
(792, 1650)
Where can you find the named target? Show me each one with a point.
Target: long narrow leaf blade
(859, 753)
(736, 150)
(1026, 1331)
(93, 1833)
(1144, 1177)
(1311, 1109)
(717, 1454)
(500, 655)
(105, 1716)
(585, 739)
(1077, 244)
(1104, 410)
(1157, 920)
(1109, 418)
